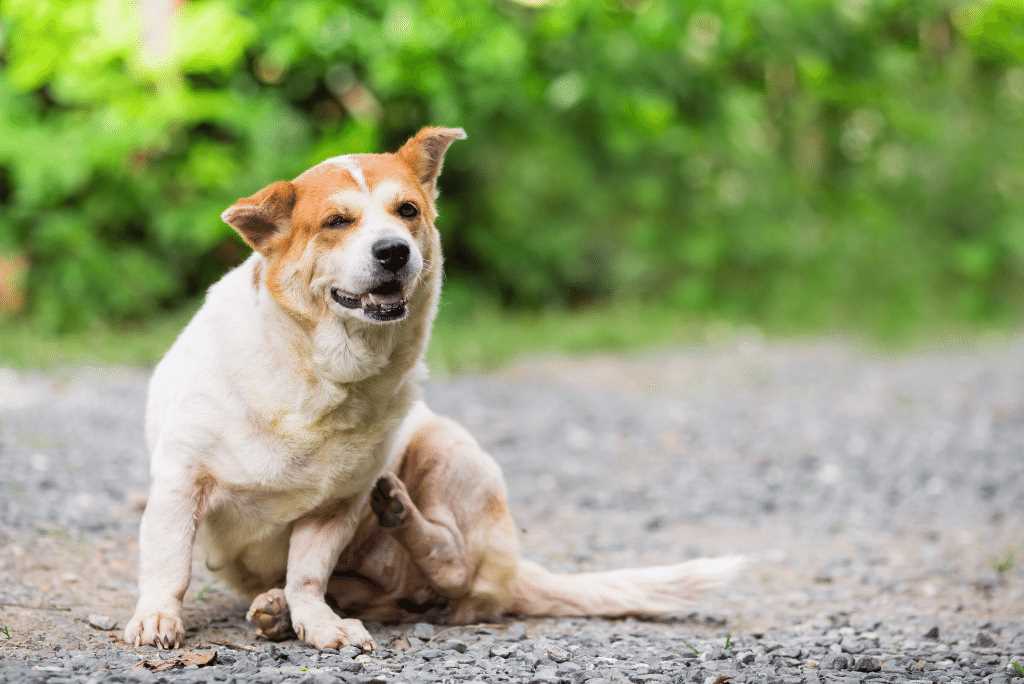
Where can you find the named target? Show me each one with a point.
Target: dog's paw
(269, 615)
(333, 632)
(390, 501)
(162, 628)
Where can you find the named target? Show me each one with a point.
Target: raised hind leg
(432, 538)
(447, 508)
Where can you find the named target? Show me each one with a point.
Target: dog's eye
(408, 210)
(337, 221)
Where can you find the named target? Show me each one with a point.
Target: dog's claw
(162, 629)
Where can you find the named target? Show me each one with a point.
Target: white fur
(350, 164)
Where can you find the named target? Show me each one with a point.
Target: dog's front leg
(165, 562)
(313, 550)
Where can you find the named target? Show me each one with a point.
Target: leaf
(197, 658)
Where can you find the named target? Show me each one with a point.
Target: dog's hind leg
(269, 614)
(432, 537)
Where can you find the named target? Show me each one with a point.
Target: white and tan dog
(285, 432)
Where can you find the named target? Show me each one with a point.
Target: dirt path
(880, 497)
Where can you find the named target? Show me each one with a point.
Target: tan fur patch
(257, 271)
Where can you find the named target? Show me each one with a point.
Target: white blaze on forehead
(350, 164)
(387, 191)
(349, 199)
(383, 196)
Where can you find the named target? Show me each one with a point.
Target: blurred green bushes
(826, 163)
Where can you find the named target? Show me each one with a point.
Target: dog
(287, 435)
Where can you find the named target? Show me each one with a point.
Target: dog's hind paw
(390, 501)
(269, 615)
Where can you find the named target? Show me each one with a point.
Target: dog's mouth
(384, 303)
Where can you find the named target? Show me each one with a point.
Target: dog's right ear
(258, 218)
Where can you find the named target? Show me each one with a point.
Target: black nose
(391, 253)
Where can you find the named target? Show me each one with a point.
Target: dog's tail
(639, 592)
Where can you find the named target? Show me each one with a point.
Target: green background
(855, 165)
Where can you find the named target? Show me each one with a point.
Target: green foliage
(824, 163)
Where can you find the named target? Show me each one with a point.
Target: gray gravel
(881, 498)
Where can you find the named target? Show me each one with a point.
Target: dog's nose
(392, 254)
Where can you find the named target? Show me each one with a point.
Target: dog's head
(351, 236)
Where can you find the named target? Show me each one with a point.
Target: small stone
(502, 651)
(868, 664)
(349, 652)
(104, 622)
(835, 661)
(244, 666)
(516, 631)
(422, 630)
(984, 640)
(746, 657)
(351, 666)
(932, 633)
(713, 653)
(558, 654)
(545, 674)
(717, 679)
(853, 646)
(456, 645)
(429, 653)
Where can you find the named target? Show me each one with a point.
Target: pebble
(835, 661)
(868, 664)
(984, 640)
(558, 654)
(502, 651)
(104, 622)
(422, 630)
(544, 675)
(516, 632)
(456, 645)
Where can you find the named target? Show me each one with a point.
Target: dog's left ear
(424, 152)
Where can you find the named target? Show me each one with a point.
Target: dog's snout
(391, 253)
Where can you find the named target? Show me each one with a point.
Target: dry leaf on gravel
(198, 658)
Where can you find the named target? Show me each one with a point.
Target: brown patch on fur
(204, 485)
(257, 271)
(495, 507)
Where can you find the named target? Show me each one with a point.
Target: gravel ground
(881, 498)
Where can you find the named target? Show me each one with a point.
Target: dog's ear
(258, 218)
(424, 153)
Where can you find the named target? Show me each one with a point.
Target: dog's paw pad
(390, 501)
(269, 615)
